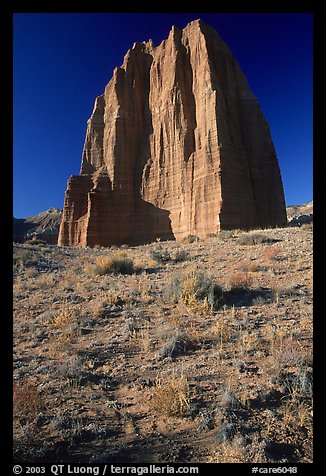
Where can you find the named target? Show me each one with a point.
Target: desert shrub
(66, 315)
(297, 414)
(161, 255)
(271, 253)
(116, 263)
(240, 281)
(24, 258)
(303, 383)
(221, 329)
(248, 265)
(288, 352)
(190, 239)
(254, 239)
(73, 370)
(230, 401)
(175, 345)
(226, 234)
(170, 395)
(180, 255)
(65, 324)
(27, 401)
(193, 286)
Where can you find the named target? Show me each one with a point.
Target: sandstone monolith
(176, 145)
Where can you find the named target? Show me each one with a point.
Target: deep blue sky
(63, 61)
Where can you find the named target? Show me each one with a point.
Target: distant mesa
(300, 214)
(43, 226)
(176, 145)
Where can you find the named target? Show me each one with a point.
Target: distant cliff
(300, 214)
(44, 226)
(176, 145)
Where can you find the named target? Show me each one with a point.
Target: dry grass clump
(145, 341)
(221, 329)
(250, 342)
(139, 335)
(297, 415)
(297, 401)
(170, 395)
(277, 340)
(289, 352)
(229, 452)
(116, 263)
(144, 264)
(67, 314)
(99, 309)
(193, 286)
(45, 280)
(66, 324)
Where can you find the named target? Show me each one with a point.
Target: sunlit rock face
(176, 145)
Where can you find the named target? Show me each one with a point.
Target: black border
(7, 10)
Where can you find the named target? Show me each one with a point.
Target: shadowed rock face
(176, 145)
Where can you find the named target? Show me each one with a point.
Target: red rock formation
(176, 145)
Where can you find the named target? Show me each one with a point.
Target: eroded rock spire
(176, 145)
